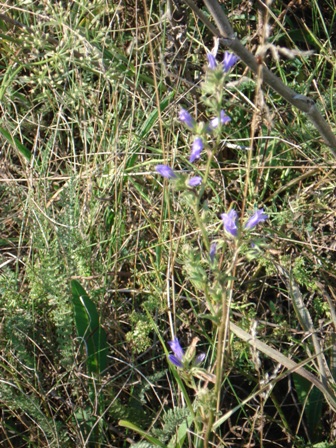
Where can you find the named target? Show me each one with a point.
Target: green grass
(90, 95)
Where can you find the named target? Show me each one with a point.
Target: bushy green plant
(90, 97)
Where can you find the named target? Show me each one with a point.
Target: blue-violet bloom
(186, 118)
(212, 253)
(212, 64)
(195, 181)
(199, 358)
(256, 218)
(229, 61)
(222, 119)
(230, 222)
(177, 357)
(165, 171)
(196, 149)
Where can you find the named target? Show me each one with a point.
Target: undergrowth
(103, 262)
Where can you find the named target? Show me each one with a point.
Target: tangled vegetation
(167, 225)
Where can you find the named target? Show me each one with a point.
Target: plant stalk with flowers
(219, 293)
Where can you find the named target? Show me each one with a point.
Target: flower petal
(199, 359)
(256, 218)
(222, 119)
(212, 64)
(197, 148)
(229, 61)
(230, 222)
(212, 252)
(195, 181)
(176, 348)
(175, 361)
(186, 118)
(165, 171)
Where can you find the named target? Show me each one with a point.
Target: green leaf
(143, 433)
(89, 329)
(312, 400)
(154, 116)
(178, 439)
(16, 144)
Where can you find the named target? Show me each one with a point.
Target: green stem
(201, 225)
(223, 330)
(198, 201)
(208, 431)
(206, 175)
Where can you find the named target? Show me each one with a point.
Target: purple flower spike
(165, 171)
(256, 218)
(213, 250)
(177, 357)
(186, 118)
(212, 64)
(196, 149)
(229, 61)
(195, 181)
(223, 119)
(230, 222)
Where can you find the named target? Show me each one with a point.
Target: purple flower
(256, 218)
(184, 360)
(186, 118)
(212, 253)
(196, 149)
(199, 358)
(211, 61)
(177, 357)
(195, 181)
(222, 119)
(165, 171)
(229, 61)
(230, 222)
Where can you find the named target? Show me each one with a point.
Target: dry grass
(90, 94)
